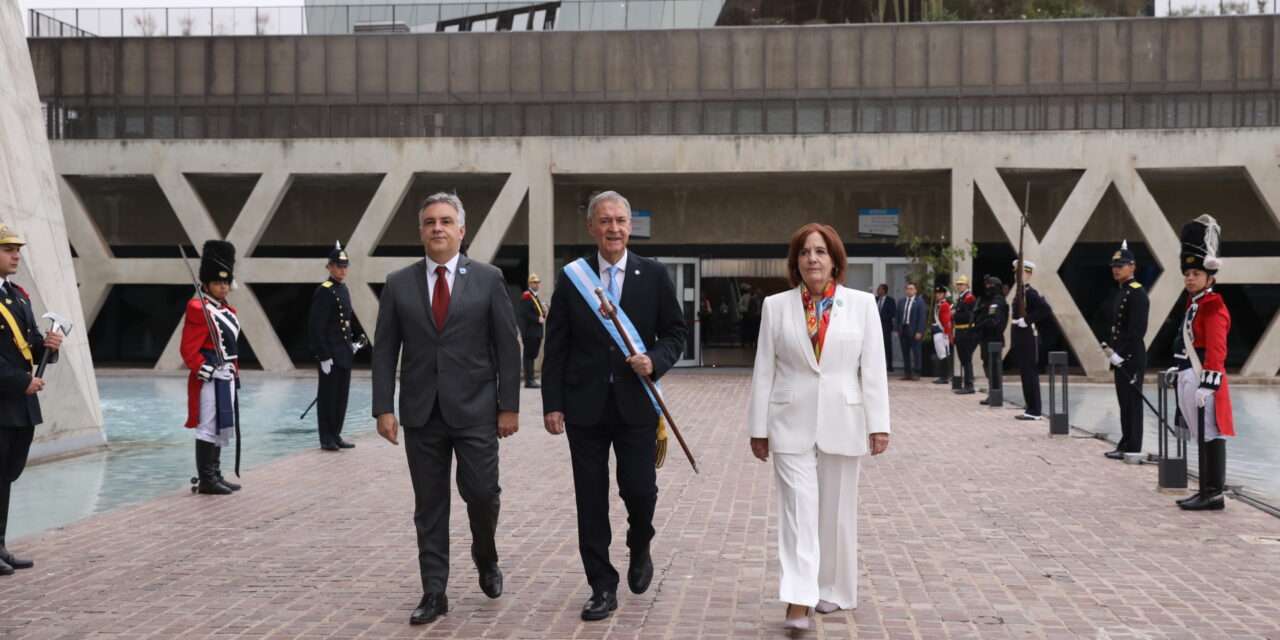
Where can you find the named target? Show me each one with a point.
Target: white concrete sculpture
(29, 203)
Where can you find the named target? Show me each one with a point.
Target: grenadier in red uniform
(210, 337)
(943, 335)
(1203, 397)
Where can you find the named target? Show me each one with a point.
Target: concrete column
(962, 220)
(542, 215)
(29, 203)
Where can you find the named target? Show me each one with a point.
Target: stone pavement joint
(973, 525)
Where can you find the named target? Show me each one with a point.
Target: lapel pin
(839, 303)
(462, 271)
(637, 272)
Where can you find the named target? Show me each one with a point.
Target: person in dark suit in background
(20, 349)
(910, 326)
(449, 321)
(331, 335)
(888, 313)
(592, 390)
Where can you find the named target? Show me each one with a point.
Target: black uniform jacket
(528, 315)
(331, 325)
(17, 409)
(1127, 310)
(992, 318)
(580, 357)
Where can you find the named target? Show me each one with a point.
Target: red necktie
(440, 297)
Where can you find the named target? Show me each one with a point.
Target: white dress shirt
(451, 271)
(619, 277)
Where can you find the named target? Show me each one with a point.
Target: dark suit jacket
(472, 368)
(888, 312)
(579, 355)
(17, 409)
(917, 316)
(331, 326)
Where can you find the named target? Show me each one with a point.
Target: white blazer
(798, 403)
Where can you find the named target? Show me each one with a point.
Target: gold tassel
(661, 456)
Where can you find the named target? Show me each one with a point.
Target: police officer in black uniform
(532, 314)
(1026, 339)
(332, 336)
(1125, 346)
(21, 347)
(963, 314)
(991, 318)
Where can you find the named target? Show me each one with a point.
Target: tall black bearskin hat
(217, 261)
(1200, 245)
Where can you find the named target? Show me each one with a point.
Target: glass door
(684, 273)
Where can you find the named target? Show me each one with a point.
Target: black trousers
(430, 449)
(1026, 350)
(15, 444)
(888, 346)
(966, 343)
(532, 345)
(1130, 398)
(910, 352)
(634, 447)
(331, 403)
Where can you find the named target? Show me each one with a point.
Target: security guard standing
(532, 314)
(1026, 338)
(20, 349)
(331, 334)
(964, 315)
(1126, 348)
(990, 321)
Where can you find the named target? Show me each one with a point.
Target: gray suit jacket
(472, 368)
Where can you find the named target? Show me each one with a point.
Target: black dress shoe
(5, 569)
(1182, 501)
(14, 562)
(1210, 501)
(941, 381)
(985, 401)
(640, 574)
(1115, 454)
(965, 392)
(343, 444)
(329, 446)
(532, 385)
(491, 582)
(599, 605)
(433, 606)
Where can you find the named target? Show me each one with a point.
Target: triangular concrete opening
(1049, 190)
(316, 211)
(223, 195)
(477, 192)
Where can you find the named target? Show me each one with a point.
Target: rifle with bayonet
(1020, 291)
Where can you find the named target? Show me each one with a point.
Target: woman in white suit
(819, 404)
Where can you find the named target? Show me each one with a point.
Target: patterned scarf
(817, 314)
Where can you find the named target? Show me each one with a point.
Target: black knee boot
(207, 479)
(217, 469)
(1213, 478)
(1201, 464)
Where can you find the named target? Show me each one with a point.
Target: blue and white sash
(586, 281)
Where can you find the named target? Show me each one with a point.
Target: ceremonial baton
(59, 324)
(359, 344)
(607, 309)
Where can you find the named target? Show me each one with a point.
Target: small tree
(928, 256)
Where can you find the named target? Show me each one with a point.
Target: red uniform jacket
(944, 317)
(1209, 329)
(195, 337)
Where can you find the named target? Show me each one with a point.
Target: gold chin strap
(18, 339)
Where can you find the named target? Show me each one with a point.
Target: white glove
(225, 372)
(326, 366)
(205, 372)
(1116, 360)
(1171, 371)
(355, 346)
(1021, 322)
(1203, 395)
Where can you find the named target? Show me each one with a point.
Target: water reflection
(152, 454)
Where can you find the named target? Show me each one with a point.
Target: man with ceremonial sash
(592, 390)
(21, 348)
(532, 316)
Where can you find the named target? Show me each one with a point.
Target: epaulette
(1135, 285)
(326, 284)
(526, 296)
(21, 290)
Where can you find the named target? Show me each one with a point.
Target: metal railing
(338, 19)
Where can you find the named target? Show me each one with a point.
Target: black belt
(961, 327)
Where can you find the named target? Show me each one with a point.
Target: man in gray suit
(450, 322)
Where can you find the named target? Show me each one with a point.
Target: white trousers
(207, 428)
(818, 527)
(941, 346)
(1188, 382)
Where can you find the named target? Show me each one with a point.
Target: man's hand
(641, 364)
(878, 443)
(1021, 323)
(326, 366)
(542, 320)
(53, 340)
(205, 372)
(760, 449)
(919, 337)
(554, 422)
(508, 423)
(35, 386)
(1116, 359)
(389, 428)
(1202, 396)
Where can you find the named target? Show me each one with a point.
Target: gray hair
(447, 198)
(607, 196)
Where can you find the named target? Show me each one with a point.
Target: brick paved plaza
(973, 525)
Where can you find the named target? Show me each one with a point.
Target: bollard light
(1058, 423)
(995, 371)
(1173, 460)
(957, 381)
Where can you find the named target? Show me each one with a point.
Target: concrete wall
(1105, 162)
(29, 203)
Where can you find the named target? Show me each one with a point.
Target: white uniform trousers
(818, 527)
(207, 428)
(1188, 382)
